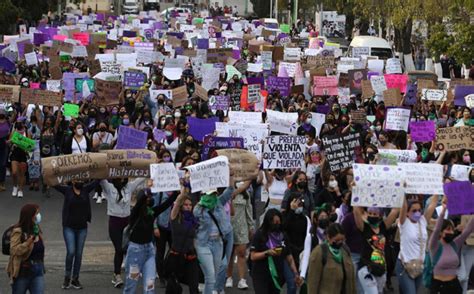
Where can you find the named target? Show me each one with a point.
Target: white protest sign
(53, 85)
(460, 172)
(249, 117)
(291, 54)
(393, 66)
(284, 152)
(267, 60)
(255, 67)
(402, 155)
(317, 121)
(253, 134)
(375, 65)
(79, 51)
(282, 122)
(155, 93)
(147, 57)
(210, 174)
(210, 78)
(397, 119)
(423, 178)
(31, 58)
(378, 186)
(173, 73)
(469, 100)
(360, 51)
(378, 84)
(165, 177)
(111, 67)
(253, 93)
(290, 68)
(434, 94)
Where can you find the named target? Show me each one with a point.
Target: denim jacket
(163, 220)
(206, 222)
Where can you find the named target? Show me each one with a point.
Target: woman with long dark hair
(299, 184)
(268, 253)
(26, 264)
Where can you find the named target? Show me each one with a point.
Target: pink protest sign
(34, 85)
(422, 131)
(81, 37)
(396, 81)
(325, 85)
(61, 38)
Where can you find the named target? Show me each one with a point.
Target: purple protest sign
(461, 91)
(39, 38)
(159, 135)
(203, 43)
(198, 128)
(100, 16)
(130, 138)
(410, 95)
(129, 34)
(256, 80)
(323, 109)
(219, 102)
(371, 74)
(7, 65)
(134, 79)
(423, 131)
(236, 54)
(279, 83)
(460, 197)
(211, 143)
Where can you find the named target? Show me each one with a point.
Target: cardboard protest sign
(423, 131)
(9, 93)
(455, 138)
(200, 92)
(165, 177)
(460, 197)
(282, 84)
(341, 150)
(282, 122)
(134, 79)
(198, 128)
(434, 95)
(423, 178)
(425, 84)
(23, 142)
(41, 97)
(397, 119)
(130, 138)
(359, 116)
(355, 79)
(320, 61)
(378, 186)
(212, 143)
(367, 91)
(81, 166)
(209, 175)
(252, 133)
(244, 165)
(325, 85)
(392, 97)
(71, 110)
(284, 152)
(129, 163)
(108, 92)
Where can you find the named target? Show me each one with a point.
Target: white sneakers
(20, 194)
(229, 283)
(15, 191)
(242, 285)
(96, 195)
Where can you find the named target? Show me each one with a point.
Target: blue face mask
(38, 218)
(299, 210)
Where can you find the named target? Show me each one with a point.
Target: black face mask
(370, 156)
(323, 223)
(333, 218)
(448, 237)
(275, 228)
(302, 185)
(335, 245)
(103, 129)
(78, 186)
(373, 220)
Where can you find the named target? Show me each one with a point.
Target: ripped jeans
(140, 263)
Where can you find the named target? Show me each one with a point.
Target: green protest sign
(79, 82)
(285, 28)
(23, 142)
(71, 110)
(198, 20)
(64, 58)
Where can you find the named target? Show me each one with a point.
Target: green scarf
(208, 201)
(273, 272)
(336, 254)
(36, 229)
(150, 211)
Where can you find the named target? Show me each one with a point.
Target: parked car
(377, 46)
(130, 7)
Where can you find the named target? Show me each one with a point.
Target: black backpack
(6, 240)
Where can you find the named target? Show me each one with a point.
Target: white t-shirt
(79, 148)
(277, 189)
(410, 240)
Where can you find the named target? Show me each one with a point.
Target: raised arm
(431, 208)
(165, 205)
(359, 217)
(403, 212)
(459, 240)
(392, 217)
(435, 235)
(226, 195)
(177, 204)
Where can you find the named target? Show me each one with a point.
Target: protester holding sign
(18, 157)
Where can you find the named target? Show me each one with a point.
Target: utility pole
(271, 8)
(276, 9)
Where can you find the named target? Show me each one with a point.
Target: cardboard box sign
(129, 163)
(243, 163)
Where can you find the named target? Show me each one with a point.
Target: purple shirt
(4, 129)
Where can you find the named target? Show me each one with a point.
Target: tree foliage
(8, 16)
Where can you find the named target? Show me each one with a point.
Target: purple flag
(7, 65)
(423, 131)
(130, 138)
(129, 34)
(198, 128)
(460, 197)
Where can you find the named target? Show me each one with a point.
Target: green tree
(8, 17)
(462, 46)
(439, 41)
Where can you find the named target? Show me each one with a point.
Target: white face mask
(332, 184)
(177, 114)
(308, 120)
(80, 132)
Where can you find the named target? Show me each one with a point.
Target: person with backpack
(444, 250)
(330, 265)
(413, 238)
(26, 248)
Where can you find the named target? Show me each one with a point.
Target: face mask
(189, 143)
(373, 220)
(448, 237)
(378, 128)
(416, 216)
(308, 120)
(336, 246)
(343, 110)
(102, 110)
(80, 132)
(323, 223)
(166, 159)
(177, 114)
(315, 158)
(38, 218)
(168, 133)
(103, 129)
(466, 159)
(302, 185)
(126, 121)
(332, 184)
(275, 227)
(78, 186)
(299, 210)
(114, 111)
(424, 153)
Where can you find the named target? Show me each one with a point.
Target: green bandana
(336, 254)
(273, 272)
(36, 230)
(209, 201)
(150, 211)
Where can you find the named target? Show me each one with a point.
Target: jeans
(467, 260)
(75, 240)
(406, 284)
(355, 260)
(34, 282)
(210, 260)
(370, 283)
(222, 273)
(289, 278)
(140, 262)
(3, 159)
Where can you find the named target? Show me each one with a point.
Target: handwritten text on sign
(165, 177)
(423, 178)
(341, 150)
(378, 186)
(210, 174)
(284, 152)
(455, 138)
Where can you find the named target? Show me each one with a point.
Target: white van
(377, 46)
